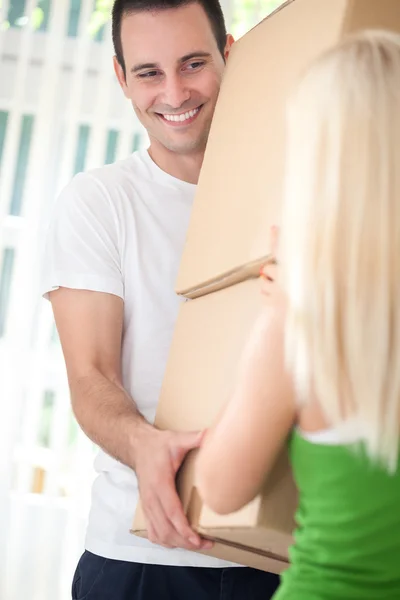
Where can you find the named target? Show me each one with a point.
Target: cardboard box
(238, 199)
(240, 186)
(207, 344)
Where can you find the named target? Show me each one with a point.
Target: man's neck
(185, 167)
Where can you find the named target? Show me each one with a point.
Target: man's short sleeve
(82, 250)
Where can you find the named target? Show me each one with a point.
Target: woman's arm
(240, 450)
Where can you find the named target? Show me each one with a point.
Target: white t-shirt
(121, 230)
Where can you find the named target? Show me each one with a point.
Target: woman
(321, 370)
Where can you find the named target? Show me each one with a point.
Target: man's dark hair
(121, 8)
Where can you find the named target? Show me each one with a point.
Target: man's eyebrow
(143, 66)
(199, 54)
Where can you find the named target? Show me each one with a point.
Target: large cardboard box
(240, 185)
(238, 198)
(206, 347)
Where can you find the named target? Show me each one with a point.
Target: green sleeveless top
(347, 542)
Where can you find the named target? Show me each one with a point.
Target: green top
(347, 542)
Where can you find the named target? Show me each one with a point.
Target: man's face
(173, 74)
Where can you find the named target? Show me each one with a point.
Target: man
(114, 246)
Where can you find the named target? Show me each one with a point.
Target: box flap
(239, 555)
(238, 274)
(241, 182)
(240, 186)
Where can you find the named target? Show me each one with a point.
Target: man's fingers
(206, 544)
(173, 509)
(167, 524)
(153, 537)
(157, 524)
(182, 443)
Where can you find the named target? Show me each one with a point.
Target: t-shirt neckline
(161, 175)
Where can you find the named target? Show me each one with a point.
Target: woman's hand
(269, 272)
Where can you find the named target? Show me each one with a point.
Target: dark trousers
(99, 578)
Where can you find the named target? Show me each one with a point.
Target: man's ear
(229, 43)
(119, 71)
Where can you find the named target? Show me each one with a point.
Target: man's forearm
(108, 416)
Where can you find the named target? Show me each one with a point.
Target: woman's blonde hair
(340, 245)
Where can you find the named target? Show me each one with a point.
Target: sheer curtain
(61, 111)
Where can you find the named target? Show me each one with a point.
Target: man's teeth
(183, 117)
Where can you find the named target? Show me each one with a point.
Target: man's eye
(148, 74)
(195, 65)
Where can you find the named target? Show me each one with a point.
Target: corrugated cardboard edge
(250, 270)
(213, 535)
(238, 554)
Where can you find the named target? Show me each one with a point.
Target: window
(3, 129)
(5, 285)
(16, 12)
(137, 141)
(22, 163)
(43, 11)
(17, 16)
(96, 26)
(74, 14)
(46, 418)
(100, 16)
(112, 141)
(81, 151)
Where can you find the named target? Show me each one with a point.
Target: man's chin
(185, 146)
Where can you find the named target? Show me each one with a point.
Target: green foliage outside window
(16, 16)
(246, 14)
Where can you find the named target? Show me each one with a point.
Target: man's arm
(90, 329)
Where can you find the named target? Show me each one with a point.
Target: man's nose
(175, 92)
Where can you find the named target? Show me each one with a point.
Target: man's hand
(159, 454)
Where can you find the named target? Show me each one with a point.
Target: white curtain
(60, 110)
